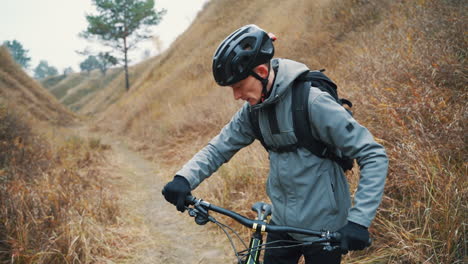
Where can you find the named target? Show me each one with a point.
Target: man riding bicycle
(306, 191)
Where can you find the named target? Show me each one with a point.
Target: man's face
(249, 90)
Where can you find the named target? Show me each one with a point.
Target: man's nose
(237, 94)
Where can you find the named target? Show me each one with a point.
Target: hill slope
(111, 89)
(403, 64)
(28, 96)
(76, 90)
(57, 202)
(91, 93)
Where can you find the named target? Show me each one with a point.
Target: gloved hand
(175, 192)
(353, 237)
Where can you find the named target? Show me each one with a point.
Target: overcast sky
(49, 28)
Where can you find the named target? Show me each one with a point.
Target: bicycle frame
(255, 242)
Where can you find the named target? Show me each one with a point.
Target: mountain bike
(199, 209)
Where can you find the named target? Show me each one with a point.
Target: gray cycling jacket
(306, 191)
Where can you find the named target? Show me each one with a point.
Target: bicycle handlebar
(262, 226)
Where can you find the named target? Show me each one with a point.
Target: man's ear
(262, 70)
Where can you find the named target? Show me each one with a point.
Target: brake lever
(200, 214)
(331, 248)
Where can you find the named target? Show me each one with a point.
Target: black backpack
(300, 96)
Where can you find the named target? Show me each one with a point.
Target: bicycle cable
(230, 239)
(264, 246)
(233, 231)
(249, 251)
(223, 227)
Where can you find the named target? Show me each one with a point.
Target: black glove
(353, 237)
(175, 192)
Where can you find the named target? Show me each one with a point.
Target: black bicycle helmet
(243, 50)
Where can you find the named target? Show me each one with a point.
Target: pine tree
(43, 70)
(19, 54)
(121, 24)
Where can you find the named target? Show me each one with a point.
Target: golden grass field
(57, 205)
(402, 64)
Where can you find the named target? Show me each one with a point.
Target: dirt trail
(176, 238)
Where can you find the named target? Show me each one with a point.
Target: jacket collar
(288, 71)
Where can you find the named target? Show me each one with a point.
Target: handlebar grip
(190, 200)
(337, 237)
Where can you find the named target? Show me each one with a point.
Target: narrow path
(176, 238)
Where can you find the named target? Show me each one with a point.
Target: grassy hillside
(57, 203)
(91, 93)
(111, 89)
(402, 63)
(78, 89)
(29, 96)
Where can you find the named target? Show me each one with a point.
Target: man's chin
(252, 102)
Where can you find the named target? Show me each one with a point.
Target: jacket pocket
(331, 193)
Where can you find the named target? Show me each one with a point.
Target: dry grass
(411, 68)
(403, 64)
(92, 93)
(105, 92)
(56, 205)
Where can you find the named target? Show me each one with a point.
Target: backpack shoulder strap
(301, 122)
(320, 80)
(254, 122)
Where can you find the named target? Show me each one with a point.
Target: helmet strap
(264, 82)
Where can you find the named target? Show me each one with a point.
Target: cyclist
(306, 191)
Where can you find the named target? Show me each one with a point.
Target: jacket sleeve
(335, 126)
(235, 135)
